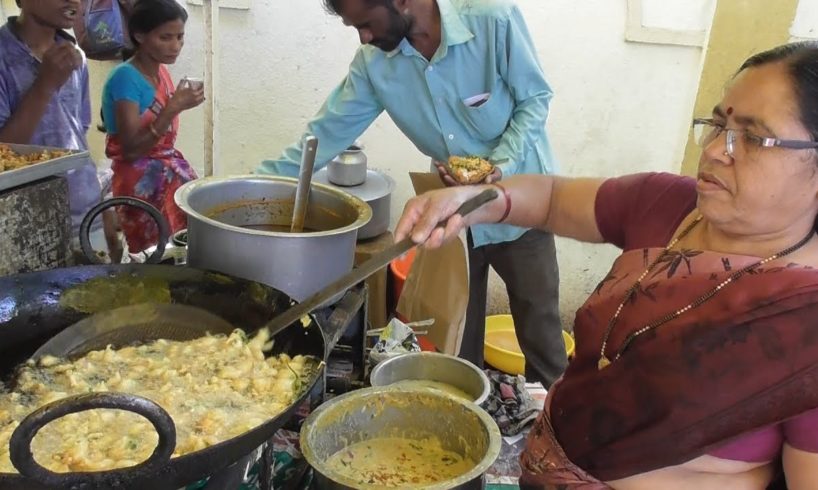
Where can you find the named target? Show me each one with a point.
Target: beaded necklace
(605, 361)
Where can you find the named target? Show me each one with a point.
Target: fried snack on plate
(469, 170)
(11, 160)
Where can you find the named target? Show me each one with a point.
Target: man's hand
(443, 170)
(59, 62)
(495, 176)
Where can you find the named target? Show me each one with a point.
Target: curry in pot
(397, 462)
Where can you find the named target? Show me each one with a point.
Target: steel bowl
(433, 366)
(460, 426)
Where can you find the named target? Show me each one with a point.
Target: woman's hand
(186, 97)
(423, 213)
(563, 206)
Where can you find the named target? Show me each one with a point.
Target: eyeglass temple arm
(792, 144)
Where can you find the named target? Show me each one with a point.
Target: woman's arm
(136, 140)
(561, 205)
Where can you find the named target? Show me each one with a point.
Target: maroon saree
(745, 359)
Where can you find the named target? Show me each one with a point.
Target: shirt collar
(454, 31)
(8, 35)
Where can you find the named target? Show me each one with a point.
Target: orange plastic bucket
(400, 270)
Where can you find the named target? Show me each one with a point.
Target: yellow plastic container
(501, 349)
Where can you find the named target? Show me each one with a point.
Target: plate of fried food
(12, 160)
(20, 164)
(469, 169)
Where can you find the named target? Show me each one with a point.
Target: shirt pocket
(489, 120)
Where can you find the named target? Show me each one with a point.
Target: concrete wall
(739, 29)
(619, 107)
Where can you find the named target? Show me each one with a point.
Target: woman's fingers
(411, 212)
(435, 211)
(423, 214)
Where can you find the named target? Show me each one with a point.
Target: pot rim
(182, 197)
(421, 355)
(492, 430)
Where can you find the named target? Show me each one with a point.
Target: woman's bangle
(507, 197)
(153, 131)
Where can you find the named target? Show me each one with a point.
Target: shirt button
(451, 136)
(430, 68)
(441, 99)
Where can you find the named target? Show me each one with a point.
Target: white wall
(805, 25)
(619, 107)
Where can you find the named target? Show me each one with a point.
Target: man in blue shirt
(44, 91)
(458, 77)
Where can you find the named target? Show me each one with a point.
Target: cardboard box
(438, 284)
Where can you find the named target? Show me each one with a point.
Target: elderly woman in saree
(697, 355)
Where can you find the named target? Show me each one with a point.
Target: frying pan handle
(85, 227)
(23, 459)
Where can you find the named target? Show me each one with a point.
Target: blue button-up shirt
(485, 50)
(65, 121)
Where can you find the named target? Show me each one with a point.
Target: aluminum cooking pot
(459, 425)
(239, 225)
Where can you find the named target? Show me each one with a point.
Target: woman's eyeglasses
(705, 131)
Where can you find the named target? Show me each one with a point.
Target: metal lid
(377, 184)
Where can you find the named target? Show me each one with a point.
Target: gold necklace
(604, 361)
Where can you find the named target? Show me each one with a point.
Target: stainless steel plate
(377, 184)
(37, 171)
